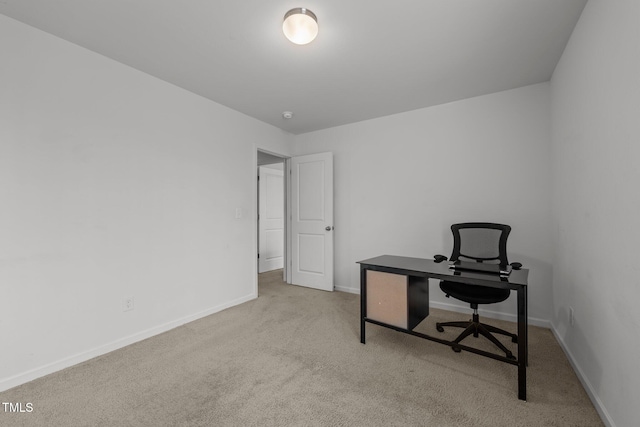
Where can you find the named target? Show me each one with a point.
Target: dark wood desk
(418, 270)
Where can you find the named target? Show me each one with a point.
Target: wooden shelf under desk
(396, 299)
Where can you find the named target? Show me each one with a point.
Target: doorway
(271, 221)
(303, 244)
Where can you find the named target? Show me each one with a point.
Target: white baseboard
(593, 395)
(509, 317)
(348, 290)
(14, 381)
(7, 383)
(465, 310)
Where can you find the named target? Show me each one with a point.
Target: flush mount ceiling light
(300, 25)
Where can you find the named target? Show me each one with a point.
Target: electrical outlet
(127, 304)
(572, 318)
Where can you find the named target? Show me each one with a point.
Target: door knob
(328, 228)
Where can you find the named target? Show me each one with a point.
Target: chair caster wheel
(439, 328)
(510, 356)
(456, 349)
(514, 339)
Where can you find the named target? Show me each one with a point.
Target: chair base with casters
(476, 328)
(473, 326)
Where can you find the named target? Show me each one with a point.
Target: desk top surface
(430, 268)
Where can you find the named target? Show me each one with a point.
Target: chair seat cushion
(474, 294)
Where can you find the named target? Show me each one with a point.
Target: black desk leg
(523, 341)
(363, 302)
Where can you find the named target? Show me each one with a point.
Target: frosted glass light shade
(300, 25)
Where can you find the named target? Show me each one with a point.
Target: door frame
(287, 211)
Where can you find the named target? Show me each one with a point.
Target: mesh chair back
(481, 242)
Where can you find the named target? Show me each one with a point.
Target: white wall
(114, 184)
(402, 180)
(596, 152)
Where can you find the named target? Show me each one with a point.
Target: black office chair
(484, 243)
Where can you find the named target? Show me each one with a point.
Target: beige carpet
(293, 357)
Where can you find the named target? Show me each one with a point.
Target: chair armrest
(516, 265)
(439, 258)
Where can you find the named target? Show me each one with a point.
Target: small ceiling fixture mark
(287, 114)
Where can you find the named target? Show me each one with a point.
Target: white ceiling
(372, 58)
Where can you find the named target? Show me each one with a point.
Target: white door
(270, 219)
(312, 221)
